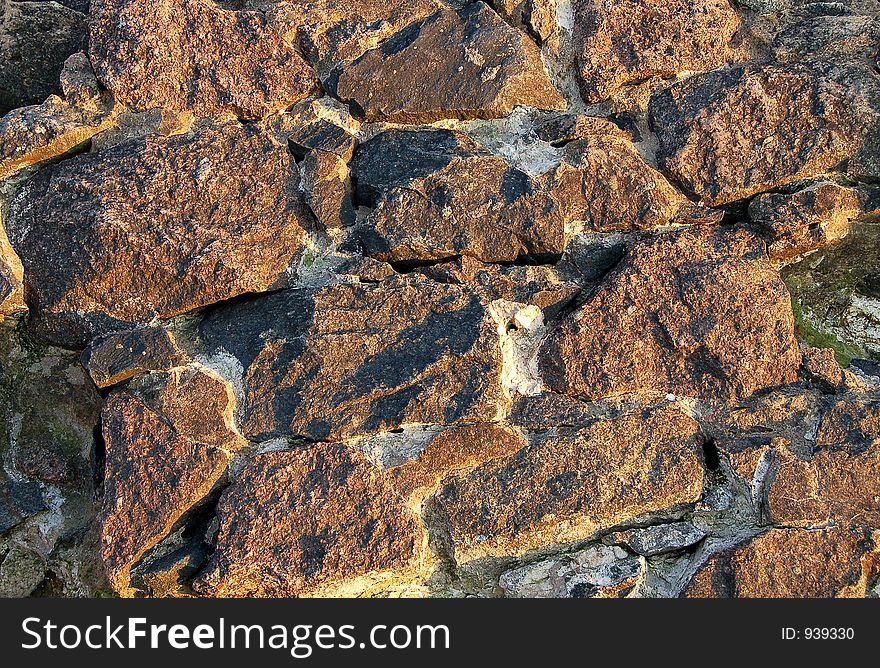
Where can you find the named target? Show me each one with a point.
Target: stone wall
(571, 298)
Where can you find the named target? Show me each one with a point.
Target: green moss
(812, 335)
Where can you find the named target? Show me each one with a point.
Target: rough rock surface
(698, 314)
(191, 55)
(439, 194)
(474, 203)
(733, 133)
(348, 529)
(33, 134)
(103, 244)
(558, 488)
(35, 40)
(440, 298)
(792, 563)
(622, 42)
(479, 67)
(838, 480)
(329, 32)
(421, 352)
(117, 357)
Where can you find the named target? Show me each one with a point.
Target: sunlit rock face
(520, 298)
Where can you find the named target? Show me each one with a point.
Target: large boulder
(191, 55)
(621, 42)
(699, 313)
(567, 484)
(317, 520)
(730, 134)
(478, 67)
(154, 227)
(358, 358)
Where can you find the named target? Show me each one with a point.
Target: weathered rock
(399, 158)
(698, 313)
(450, 451)
(604, 185)
(744, 432)
(359, 358)
(566, 486)
(836, 480)
(35, 40)
(349, 529)
(841, 43)
(117, 357)
(597, 572)
(480, 67)
(536, 16)
(21, 571)
(618, 43)
(325, 184)
(191, 55)
(807, 220)
(169, 576)
(329, 32)
(32, 135)
(154, 227)
(79, 84)
(166, 450)
(661, 538)
(792, 563)
(837, 291)
(438, 194)
(729, 134)
(474, 204)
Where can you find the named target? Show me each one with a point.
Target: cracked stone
(117, 357)
(353, 359)
(839, 480)
(168, 446)
(480, 67)
(438, 194)
(566, 486)
(329, 32)
(730, 134)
